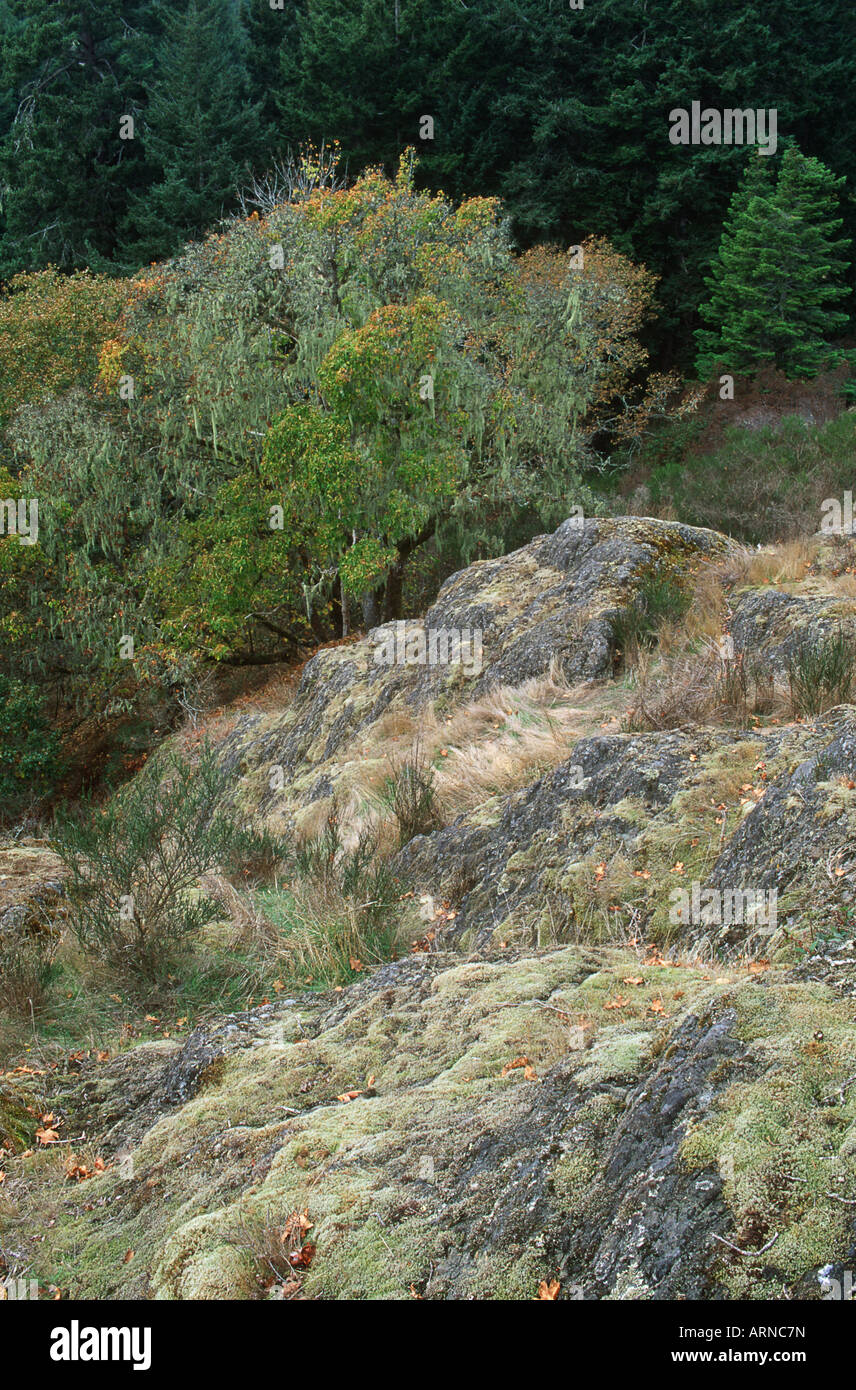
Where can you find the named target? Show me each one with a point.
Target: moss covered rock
(468, 1128)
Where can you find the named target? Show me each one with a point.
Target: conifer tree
(200, 129)
(71, 69)
(778, 275)
(270, 33)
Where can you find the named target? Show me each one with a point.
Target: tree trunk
(345, 610)
(392, 598)
(371, 609)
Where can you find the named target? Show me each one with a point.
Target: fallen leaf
(513, 1066)
(756, 967)
(296, 1228)
(548, 1290)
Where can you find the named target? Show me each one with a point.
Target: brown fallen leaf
(548, 1290)
(296, 1227)
(513, 1066)
(302, 1258)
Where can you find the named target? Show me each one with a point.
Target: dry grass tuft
(788, 563)
(250, 928)
(489, 747)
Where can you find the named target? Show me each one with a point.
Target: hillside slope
(568, 1077)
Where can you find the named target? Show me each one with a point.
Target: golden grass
(494, 745)
(842, 585)
(788, 563)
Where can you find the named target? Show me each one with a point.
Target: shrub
(27, 959)
(29, 748)
(136, 864)
(660, 599)
(411, 795)
(761, 485)
(341, 911)
(822, 672)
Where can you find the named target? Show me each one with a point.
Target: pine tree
(734, 283)
(270, 32)
(200, 130)
(70, 72)
(779, 272)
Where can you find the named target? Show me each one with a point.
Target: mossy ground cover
(268, 1133)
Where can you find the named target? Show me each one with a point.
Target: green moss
(780, 1141)
(19, 1116)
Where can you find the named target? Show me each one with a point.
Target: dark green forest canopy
(562, 112)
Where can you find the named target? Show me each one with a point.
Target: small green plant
(135, 864)
(660, 599)
(341, 911)
(822, 672)
(411, 795)
(27, 966)
(29, 748)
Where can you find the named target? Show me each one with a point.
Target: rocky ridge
(570, 1084)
